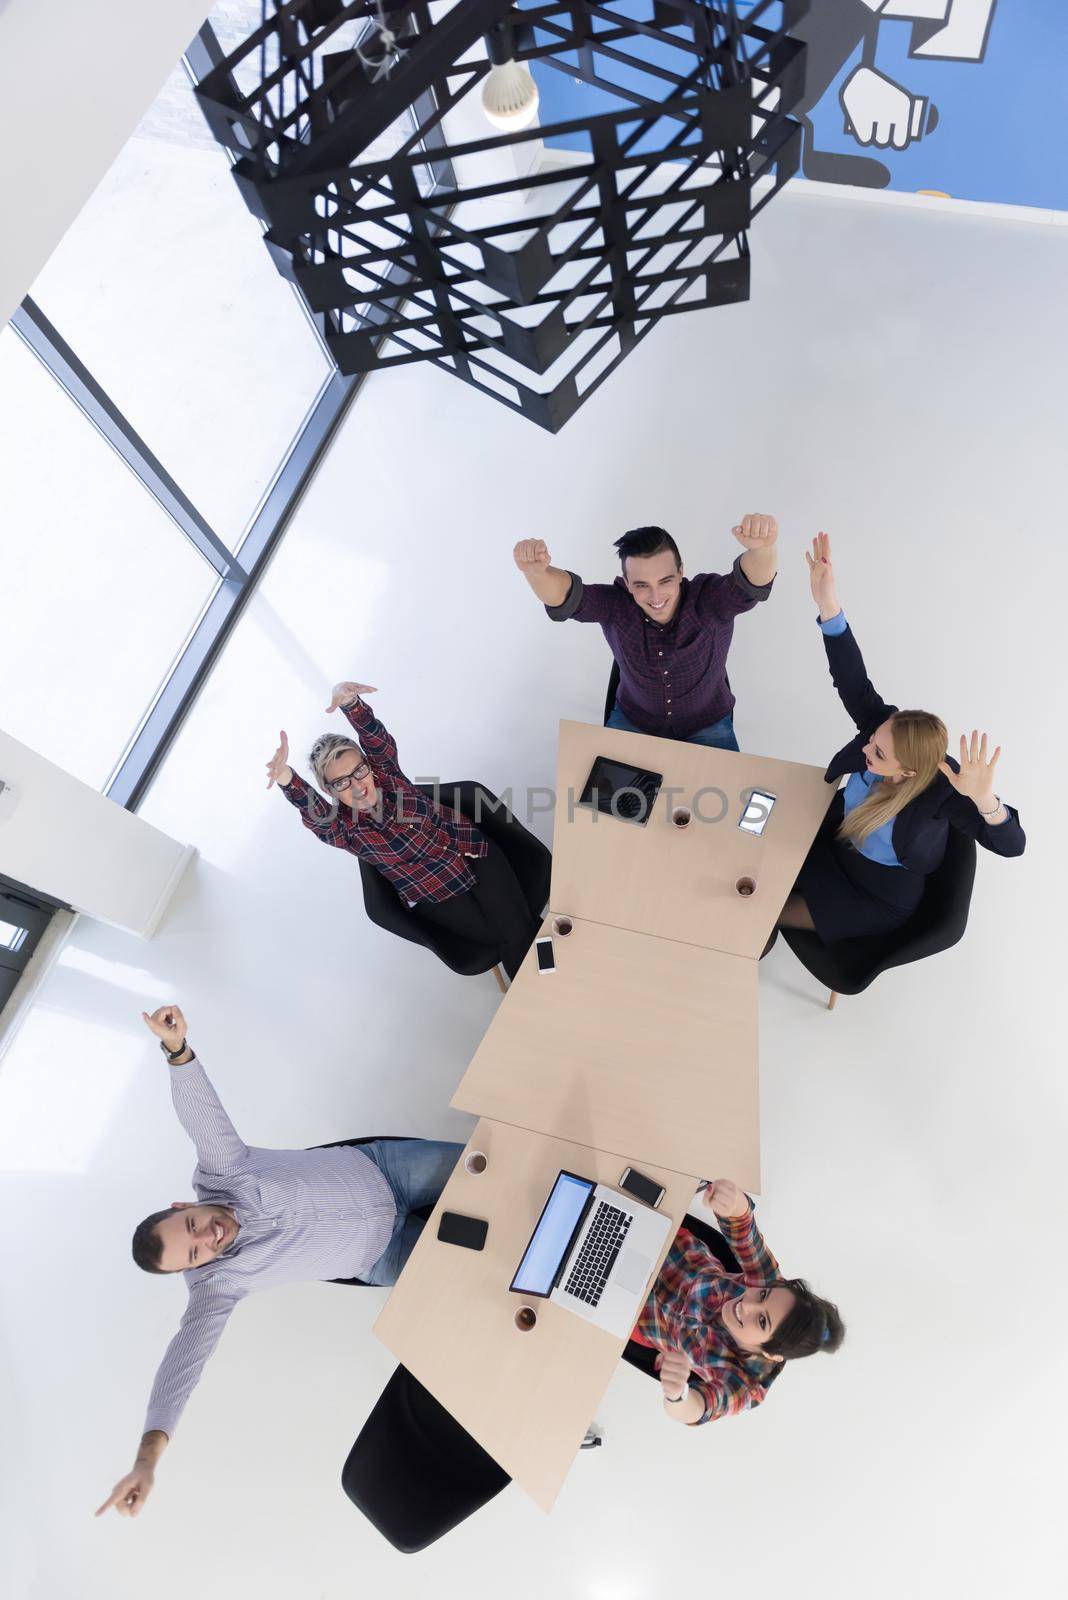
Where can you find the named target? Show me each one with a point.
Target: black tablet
(621, 790)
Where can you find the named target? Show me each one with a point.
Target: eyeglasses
(347, 779)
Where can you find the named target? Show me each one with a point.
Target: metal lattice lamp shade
(416, 232)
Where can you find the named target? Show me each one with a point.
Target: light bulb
(510, 97)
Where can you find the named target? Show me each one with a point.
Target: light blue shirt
(878, 846)
(303, 1214)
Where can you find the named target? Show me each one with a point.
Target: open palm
(278, 768)
(345, 693)
(821, 576)
(975, 780)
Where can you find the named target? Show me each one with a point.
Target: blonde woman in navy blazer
(887, 828)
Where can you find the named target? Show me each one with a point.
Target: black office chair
(641, 1355)
(413, 1471)
(938, 923)
(528, 858)
(613, 686)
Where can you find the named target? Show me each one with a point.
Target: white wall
(897, 378)
(64, 839)
(76, 76)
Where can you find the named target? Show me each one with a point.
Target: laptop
(593, 1251)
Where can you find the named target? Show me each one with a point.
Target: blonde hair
(920, 746)
(323, 751)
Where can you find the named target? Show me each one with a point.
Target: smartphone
(641, 1187)
(468, 1232)
(546, 955)
(754, 818)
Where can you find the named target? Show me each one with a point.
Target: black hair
(147, 1244)
(646, 542)
(811, 1324)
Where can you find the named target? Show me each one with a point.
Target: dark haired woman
(887, 829)
(724, 1336)
(669, 634)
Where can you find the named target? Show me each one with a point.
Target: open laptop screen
(551, 1239)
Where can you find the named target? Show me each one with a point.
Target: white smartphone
(546, 955)
(754, 818)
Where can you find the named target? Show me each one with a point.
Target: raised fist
(531, 553)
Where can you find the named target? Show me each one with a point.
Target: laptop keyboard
(595, 1260)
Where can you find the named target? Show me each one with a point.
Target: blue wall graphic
(966, 97)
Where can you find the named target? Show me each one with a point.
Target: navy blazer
(920, 831)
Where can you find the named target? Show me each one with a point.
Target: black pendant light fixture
(415, 194)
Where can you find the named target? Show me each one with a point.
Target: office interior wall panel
(76, 76)
(61, 837)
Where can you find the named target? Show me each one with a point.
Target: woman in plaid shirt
(723, 1336)
(435, 858)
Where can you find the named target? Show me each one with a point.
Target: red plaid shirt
(419, 846)
(684, 1312)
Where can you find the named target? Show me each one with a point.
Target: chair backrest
(613, 688)
(384, 906)
(937, 924)
(528, 858)
(386, 909)
(413, 1471)
(942, 915)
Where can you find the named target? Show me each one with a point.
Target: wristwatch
(172, 1055)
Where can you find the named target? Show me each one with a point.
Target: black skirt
(848, 895)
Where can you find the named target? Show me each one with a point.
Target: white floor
(896, 379)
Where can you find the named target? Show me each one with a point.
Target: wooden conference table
(644, 1039)
(679, 883)
(527, 1397)
(640, 1047)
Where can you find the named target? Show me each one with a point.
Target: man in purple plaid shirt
(669, 634)
(434, 857)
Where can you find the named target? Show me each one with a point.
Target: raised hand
(130, 1493)
(821, 577)
(531, 555)
(278, 768)
(674, 1369)
(345, 694)
(725, 1198)
(167, 1024)
(975, 780)
(757, 531)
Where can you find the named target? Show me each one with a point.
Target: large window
(164, 288)
(163, 399)
(100, 589)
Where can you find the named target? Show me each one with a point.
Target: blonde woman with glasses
(887, 828)
(438, 861)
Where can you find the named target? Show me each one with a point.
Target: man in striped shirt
(261, 1218)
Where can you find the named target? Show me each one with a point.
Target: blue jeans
(416, 1170)
(720, 735)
